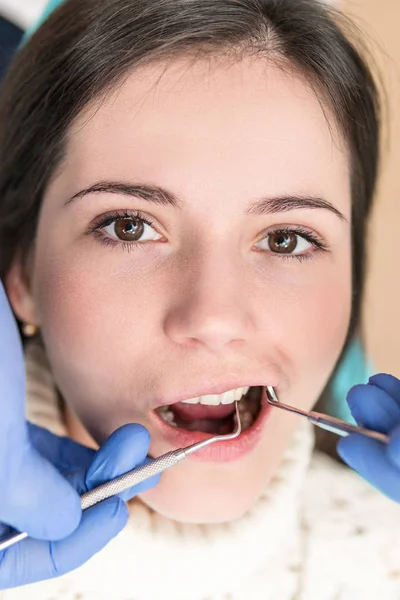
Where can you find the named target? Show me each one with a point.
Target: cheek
(316, 325)
(322, 315)
(87, 306)
(95, 333)
(73, 306)
(76, 319)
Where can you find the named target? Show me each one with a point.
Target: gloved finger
(370, 459)
(393, 448)
(36, 498)
(32, 560)
(388, 383)
(124, 450)
(62, 452)
(373, 408)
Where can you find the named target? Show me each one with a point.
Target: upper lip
(212, 388)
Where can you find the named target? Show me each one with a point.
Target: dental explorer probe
(137, 475)
(331, 424)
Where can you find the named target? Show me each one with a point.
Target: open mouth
(214, 414)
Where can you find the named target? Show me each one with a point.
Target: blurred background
(380, 19)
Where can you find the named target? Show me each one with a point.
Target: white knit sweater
(318, 532)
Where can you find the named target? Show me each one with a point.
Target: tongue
(190, 412)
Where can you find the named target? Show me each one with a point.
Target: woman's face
(242, 276)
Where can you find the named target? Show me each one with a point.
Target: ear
(19, 291)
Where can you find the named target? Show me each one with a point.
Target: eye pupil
(283, 243)
(129, 230)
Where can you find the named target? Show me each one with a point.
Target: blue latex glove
(36, 498)
(376, 405)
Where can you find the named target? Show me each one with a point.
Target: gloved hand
(42, 476)
(375, 405)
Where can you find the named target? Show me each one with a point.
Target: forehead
(218, 121)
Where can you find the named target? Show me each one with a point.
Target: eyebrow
(160, 196)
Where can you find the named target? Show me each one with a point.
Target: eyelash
(102, 222)
(317, 242)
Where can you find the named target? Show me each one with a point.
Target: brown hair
(87, 47)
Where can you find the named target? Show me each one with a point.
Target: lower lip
(227, 451)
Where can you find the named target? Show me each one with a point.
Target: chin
(203, 504)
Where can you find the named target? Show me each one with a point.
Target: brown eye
(283, 242)
(133, 229)
(128, 230)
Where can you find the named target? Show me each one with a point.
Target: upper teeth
(215, 399)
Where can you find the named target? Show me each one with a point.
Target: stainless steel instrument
(332, 424)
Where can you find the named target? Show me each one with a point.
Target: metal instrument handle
(131, 478)
(344, 429)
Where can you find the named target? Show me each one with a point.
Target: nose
(210, 308)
